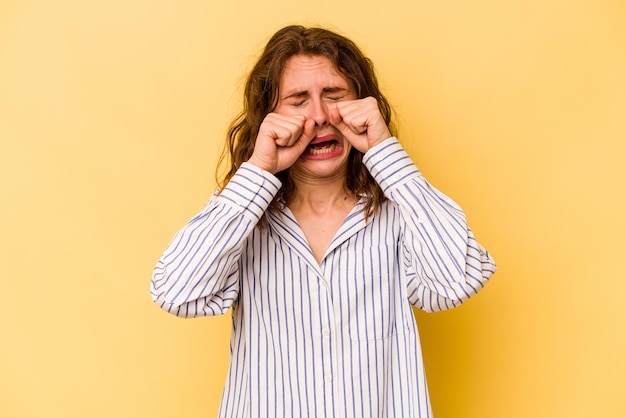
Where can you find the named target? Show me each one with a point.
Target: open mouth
(321, 148)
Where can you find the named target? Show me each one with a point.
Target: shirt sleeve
(444, 263)
(198, 273)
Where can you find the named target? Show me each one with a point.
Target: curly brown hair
(261, 97)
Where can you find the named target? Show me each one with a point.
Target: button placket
(326, 330)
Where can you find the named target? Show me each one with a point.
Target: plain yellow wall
(111, 117)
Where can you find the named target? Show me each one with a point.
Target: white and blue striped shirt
(335, 339)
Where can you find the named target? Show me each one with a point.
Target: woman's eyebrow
(297, 95)
(334, 89)
(304, 93)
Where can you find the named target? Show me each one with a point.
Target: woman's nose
(319, 112)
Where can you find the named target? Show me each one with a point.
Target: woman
(322, 236)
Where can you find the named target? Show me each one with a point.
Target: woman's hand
(360, 122)
(281, 140)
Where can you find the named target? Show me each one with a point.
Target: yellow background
(111, 117)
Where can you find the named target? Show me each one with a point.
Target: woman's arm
(198, 273)
(444, 263)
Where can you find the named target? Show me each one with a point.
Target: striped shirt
(334, 339)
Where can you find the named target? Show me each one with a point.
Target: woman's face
(311, 86)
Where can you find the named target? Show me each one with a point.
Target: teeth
(325, 150)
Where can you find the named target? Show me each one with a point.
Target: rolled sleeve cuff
(390, 165)
(251, 190)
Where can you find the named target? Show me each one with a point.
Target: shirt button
(325, 331)
(329, 377)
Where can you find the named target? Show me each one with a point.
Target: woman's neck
(320, 196)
